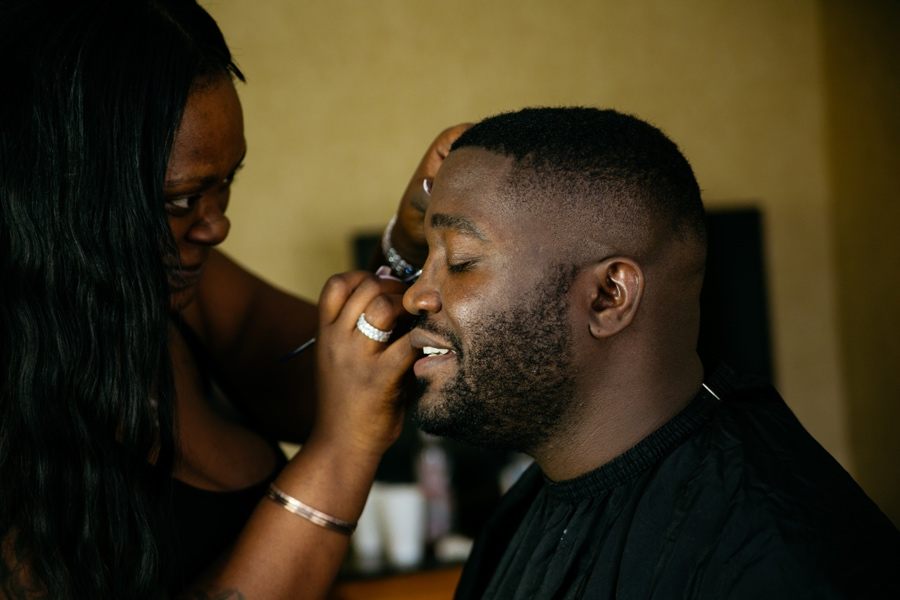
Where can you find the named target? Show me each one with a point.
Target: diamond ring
(372, 332)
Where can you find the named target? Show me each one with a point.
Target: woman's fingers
(417, 191)
(439, 150)
(345, 293)
(373, 292)
(377, 320)
(335, 293)
(398, 357)
(359, 367)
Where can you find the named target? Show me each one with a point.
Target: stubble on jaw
(515, 381)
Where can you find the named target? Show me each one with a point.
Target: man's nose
(211, 227)
(422, 297)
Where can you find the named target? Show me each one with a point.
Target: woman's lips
(185, 277)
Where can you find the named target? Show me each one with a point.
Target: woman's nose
(211, 227)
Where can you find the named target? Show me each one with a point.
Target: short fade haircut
(624, 170)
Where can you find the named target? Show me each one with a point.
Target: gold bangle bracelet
(291, 504)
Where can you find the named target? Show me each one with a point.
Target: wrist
(346, 450)
(403, 253)
(330, 478)
(409, 246)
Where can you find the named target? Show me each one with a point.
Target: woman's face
(207, 151)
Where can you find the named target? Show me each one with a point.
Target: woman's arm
(246, 325)
(282, 555)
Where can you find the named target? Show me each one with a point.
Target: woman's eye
(182, 204)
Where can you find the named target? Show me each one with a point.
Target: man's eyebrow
(460, 224)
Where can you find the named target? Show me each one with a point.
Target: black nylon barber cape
(730, 499)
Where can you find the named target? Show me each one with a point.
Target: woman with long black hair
(139, 398)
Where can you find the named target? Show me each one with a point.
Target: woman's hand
(280, 554)
(408, 237)
(359, 378)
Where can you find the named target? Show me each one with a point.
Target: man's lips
(435, 352)
(422, 339)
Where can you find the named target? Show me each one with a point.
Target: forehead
(472, 183)
(211, 132)
(470, 170)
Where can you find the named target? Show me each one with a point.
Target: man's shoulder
(765, 498)
(758, 440)
(753, 430)
(767, 466)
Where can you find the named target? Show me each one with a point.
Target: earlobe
(618, 284)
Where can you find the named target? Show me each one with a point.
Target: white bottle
(434, 480)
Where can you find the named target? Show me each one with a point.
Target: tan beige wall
(343, 96)
(862, 58)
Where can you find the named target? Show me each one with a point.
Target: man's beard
(514, 381)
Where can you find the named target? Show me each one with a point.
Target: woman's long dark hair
(93, 92)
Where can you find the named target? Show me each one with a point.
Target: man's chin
(430, 411)
(446, 416)
(424, 405)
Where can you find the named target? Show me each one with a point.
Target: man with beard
(558, 313)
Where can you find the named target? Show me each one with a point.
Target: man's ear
(618, 284)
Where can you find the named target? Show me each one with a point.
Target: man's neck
(604, 426)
